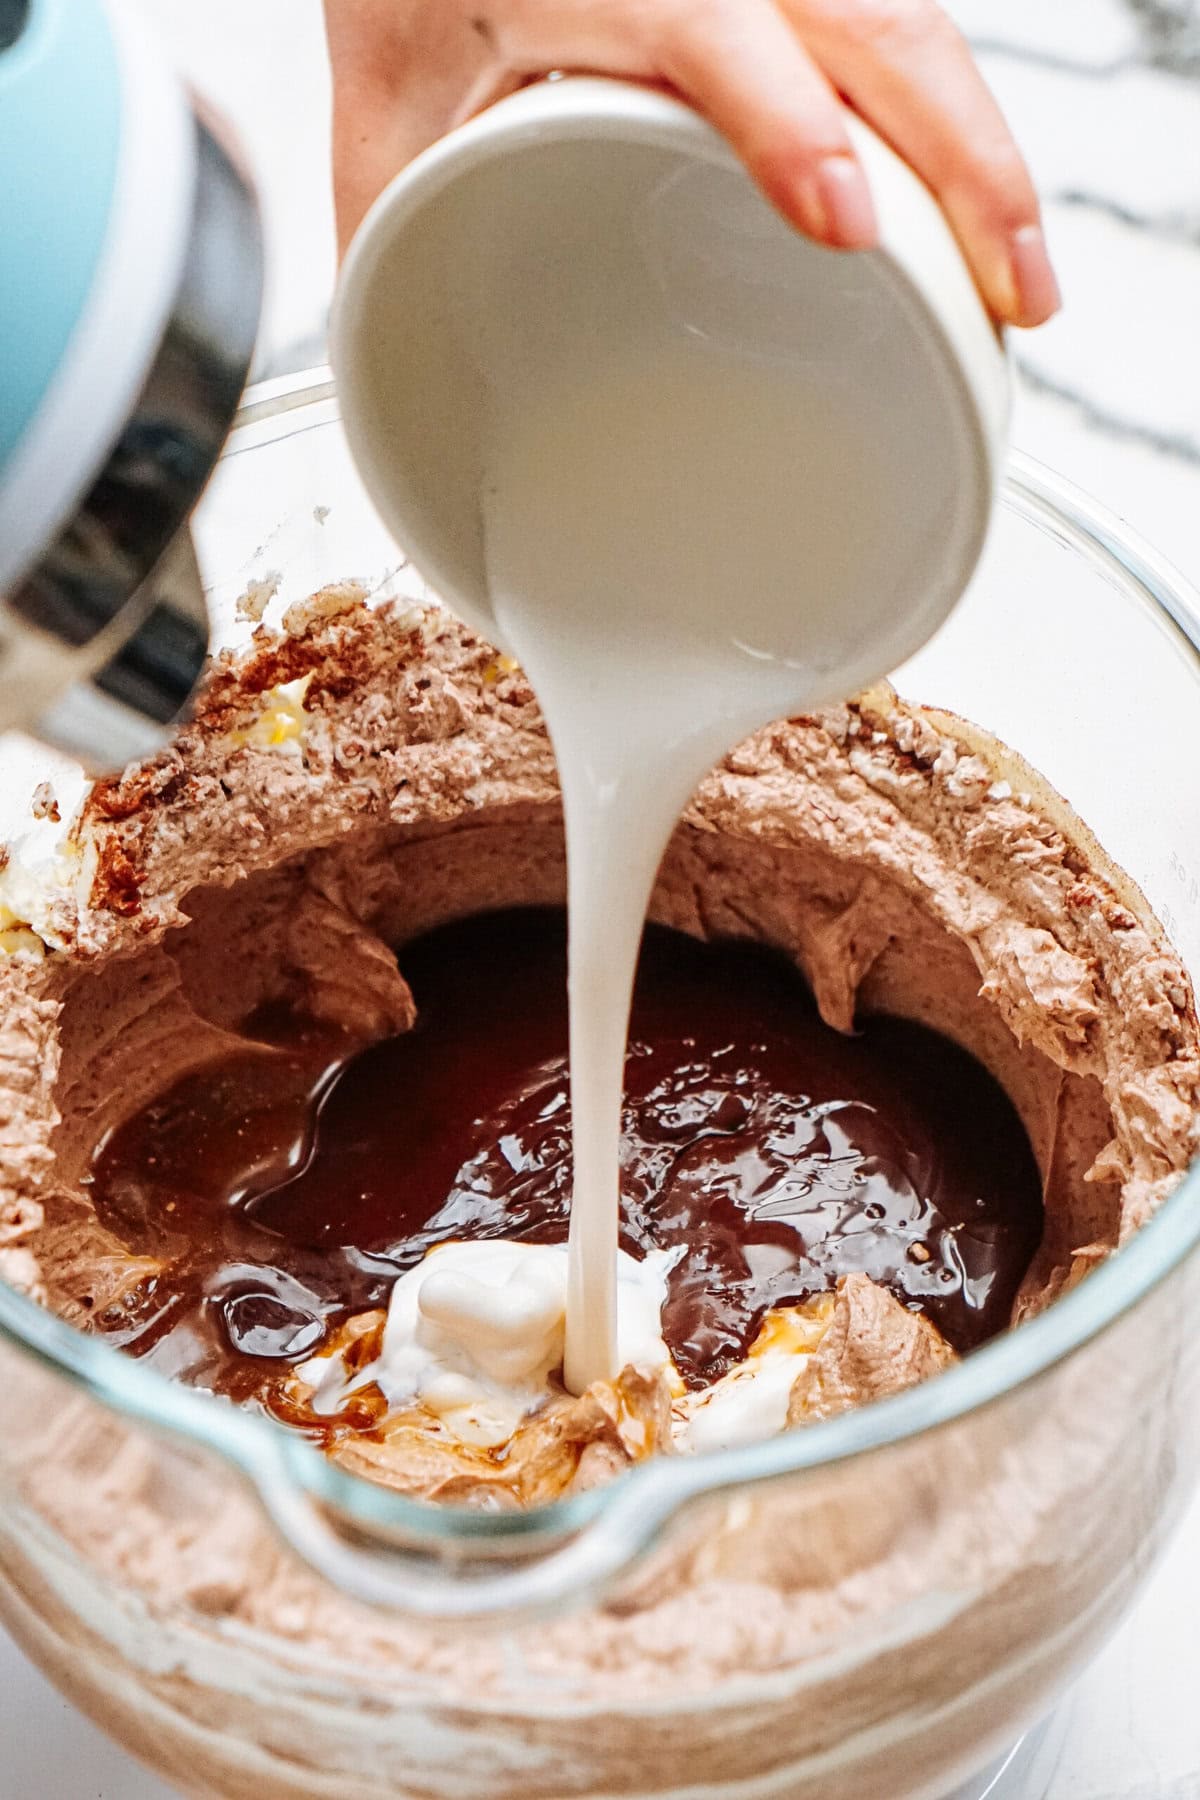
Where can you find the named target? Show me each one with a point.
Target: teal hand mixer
(130, 282)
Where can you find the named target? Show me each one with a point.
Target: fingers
(766, 73)
(744, 67)
(906, 69)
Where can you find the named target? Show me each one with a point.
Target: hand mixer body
(130, 284)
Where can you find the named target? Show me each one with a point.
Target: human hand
(766, 73)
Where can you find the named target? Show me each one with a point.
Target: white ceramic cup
(536, 238)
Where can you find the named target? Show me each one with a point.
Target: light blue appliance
(130, 283)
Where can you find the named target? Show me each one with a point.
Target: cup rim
(612, 1525)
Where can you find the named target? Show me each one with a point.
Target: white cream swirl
(475, 1332)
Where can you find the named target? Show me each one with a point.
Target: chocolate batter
(287, 1187)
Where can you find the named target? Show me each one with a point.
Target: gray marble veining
(1104, 96)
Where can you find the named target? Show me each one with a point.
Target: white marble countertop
(1105, 97)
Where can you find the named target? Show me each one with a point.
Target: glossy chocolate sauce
(286, 1188)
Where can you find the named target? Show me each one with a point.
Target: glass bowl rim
(293, 1477)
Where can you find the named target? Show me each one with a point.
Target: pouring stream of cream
(656, 633)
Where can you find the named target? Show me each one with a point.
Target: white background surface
(1105, 96)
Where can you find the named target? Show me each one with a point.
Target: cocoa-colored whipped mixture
(273, 1050)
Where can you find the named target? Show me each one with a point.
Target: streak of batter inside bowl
(374, 776)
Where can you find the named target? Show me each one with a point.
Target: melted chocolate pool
(287, 1187)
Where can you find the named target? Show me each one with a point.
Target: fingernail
(850, 221)
(1037, 291)
(806, 208)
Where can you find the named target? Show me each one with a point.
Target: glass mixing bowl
(253, 1622)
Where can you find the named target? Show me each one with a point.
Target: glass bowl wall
(255, 1623)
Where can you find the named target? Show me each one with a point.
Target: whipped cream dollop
(751, 1402)
(475, 1336)
(475, 1332)
(44, 869)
